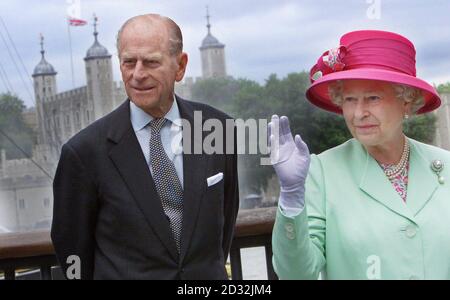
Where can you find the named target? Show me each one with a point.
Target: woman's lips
(366, 128)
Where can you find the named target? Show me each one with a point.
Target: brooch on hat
(437, 166)
(329, 62)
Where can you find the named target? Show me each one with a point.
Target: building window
(46, 203)
(21, 204)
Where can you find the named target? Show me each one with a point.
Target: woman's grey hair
(175, 35)
(403, 92)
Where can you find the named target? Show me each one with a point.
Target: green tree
(444, 88)
(217, 92)
(12, 124)
(421, 128)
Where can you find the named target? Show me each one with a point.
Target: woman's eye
(374, 98)
(349, 99)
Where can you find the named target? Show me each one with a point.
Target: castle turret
(44, 77)
(99, 76)
(212, 54)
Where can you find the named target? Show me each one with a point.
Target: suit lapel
(129, 160)
(194, 176)
(422, 181)
(375, 183)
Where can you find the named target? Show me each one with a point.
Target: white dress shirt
(171, 134)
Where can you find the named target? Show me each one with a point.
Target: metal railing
(22, 252)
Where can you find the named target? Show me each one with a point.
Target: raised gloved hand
(290, 158)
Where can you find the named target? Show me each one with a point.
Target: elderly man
(127, 204)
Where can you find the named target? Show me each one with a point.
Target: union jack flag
(76, 22)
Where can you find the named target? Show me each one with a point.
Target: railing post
(236, 264)
(46, 272)
(10, 274)
(271, 275)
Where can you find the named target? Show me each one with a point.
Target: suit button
(411, 231)
(289, 227)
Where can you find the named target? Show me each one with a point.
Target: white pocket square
(214, 179)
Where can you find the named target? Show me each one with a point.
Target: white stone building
(26, 195)
(212, 54)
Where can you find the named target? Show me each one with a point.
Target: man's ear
(182, 61)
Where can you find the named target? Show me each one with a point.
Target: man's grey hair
(175, 35)
(403, 92)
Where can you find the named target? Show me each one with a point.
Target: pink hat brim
(318, 94)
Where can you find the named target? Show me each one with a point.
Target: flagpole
(71, 55)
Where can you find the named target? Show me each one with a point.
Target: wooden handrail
(25, 244)
(257, 221)
(252, 222)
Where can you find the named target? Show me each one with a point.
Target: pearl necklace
(391, 173)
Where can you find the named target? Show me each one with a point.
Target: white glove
(290, 159)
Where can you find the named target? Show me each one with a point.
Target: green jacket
(356, 226)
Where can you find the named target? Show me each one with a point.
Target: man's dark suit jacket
(107, 210)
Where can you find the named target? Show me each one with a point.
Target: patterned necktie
(166, 180)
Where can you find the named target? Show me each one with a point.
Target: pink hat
(373, 55)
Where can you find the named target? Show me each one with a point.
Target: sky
(261, 36)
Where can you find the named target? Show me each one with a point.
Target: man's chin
(144, 102)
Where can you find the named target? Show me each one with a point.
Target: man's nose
(139, 71)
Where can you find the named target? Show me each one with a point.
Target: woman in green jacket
(377, 206)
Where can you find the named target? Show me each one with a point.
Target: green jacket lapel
(422, 182)
(375, 183)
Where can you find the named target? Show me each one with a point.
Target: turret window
(21, 204)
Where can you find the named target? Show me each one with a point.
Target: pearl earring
(406, 116)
